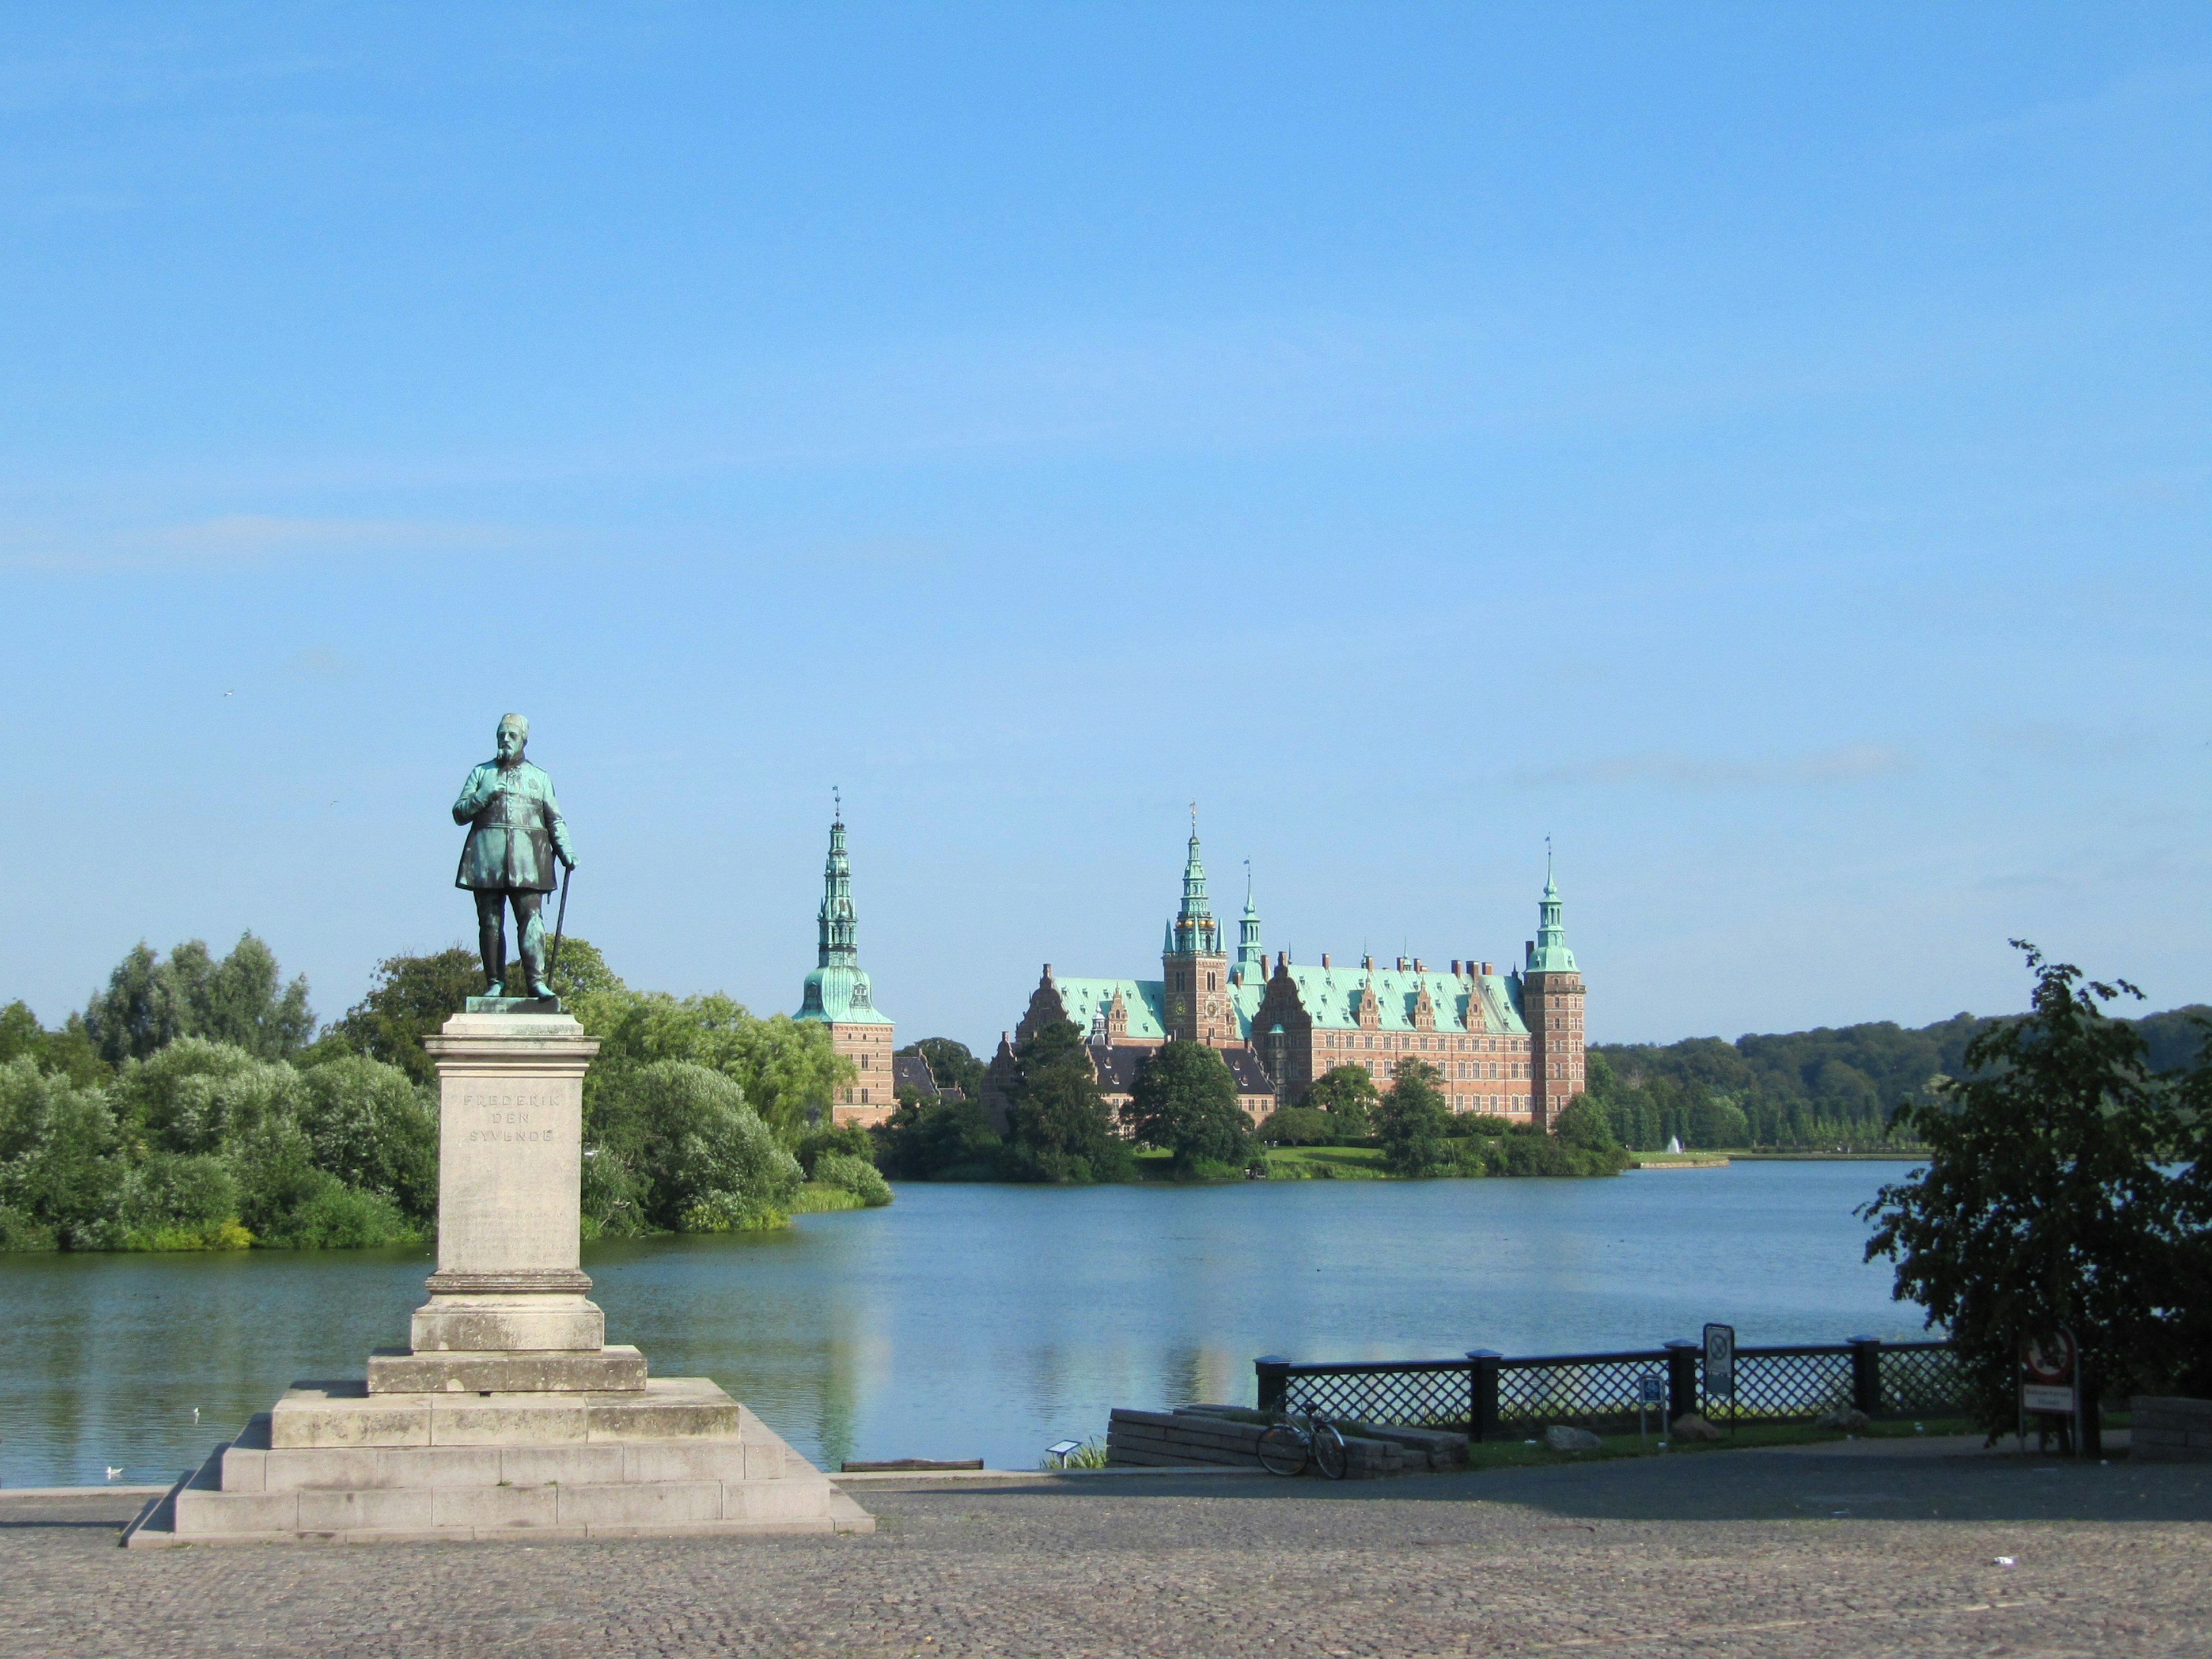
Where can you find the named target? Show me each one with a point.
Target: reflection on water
(967, 1320)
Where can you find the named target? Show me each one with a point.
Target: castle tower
(1551, 998)
(837, 994)
(1194, 966)
(1251, 967)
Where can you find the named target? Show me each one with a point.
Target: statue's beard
(511, 758)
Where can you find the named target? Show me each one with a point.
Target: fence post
(1482, 1393)
(1682, 1356)
(1866, 1375)
(1274, 1375)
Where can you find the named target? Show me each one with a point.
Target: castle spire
(1549, 953)
(1194, 930)
(1248, 954)
(839, 945)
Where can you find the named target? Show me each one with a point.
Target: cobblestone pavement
(1762, 1553)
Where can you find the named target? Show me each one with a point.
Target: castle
(1508, 1044)
(837, 995)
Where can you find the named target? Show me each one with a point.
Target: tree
(1058, 1126)
(1347, 1094)
(786, 1069)
(1414, 1122)
(411, 998)
(1299, 1126)
(1184, 1099)
(149, 1003)
(695, 1156)
(952, 1064)
(69, 1051)
(2043, 1203)
(938, 1140)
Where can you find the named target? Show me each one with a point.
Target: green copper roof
(1331, 996)
(1144, 1000)
(1549, 954)
(840, 996)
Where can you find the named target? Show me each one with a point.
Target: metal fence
(1490, 1395)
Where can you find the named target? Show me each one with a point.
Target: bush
(370, 1124)
(695, 1157)
(938, 1140)
(856, 1176)
(845, 1139)
(60, 1169)
(328, 1215)
(1299, 1126)
(171, 1202)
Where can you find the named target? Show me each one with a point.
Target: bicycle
(1302, 1438)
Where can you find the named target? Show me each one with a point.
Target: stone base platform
(334, 1463)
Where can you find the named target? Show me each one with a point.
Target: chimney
(1324, 958)
(1486, 971)
(1417, 966)
(1455, 967)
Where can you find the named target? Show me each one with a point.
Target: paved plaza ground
(1812, 1552)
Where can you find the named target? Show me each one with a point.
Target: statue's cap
(519, 723)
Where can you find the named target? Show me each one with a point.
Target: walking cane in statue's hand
(560, 921)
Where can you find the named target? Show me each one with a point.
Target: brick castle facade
(1510, 1044)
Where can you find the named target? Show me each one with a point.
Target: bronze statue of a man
(515, 831)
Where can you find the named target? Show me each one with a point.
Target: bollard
(1866, 1375)
(1682, 1356)
(1274, 1374)
(1482, 1393)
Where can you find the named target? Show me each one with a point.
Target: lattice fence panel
(1922, 1382)
(1791, 1385)
(1552, 1394)
(1412, 1399)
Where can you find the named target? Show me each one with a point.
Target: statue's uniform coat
(514, 825)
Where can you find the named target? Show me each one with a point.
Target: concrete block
(507, 1419)
(789, 1499)
(397, 1371)
(669, 1408)
(200, 1511)
(483, 1508)
(711, 1460)
(508, 1325)
(242, 1469)
(341, 1414)
(660, 1503)
(563, 1466)
(362, 1511)
(770, 1460)
(367, 1468)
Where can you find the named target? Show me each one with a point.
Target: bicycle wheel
(1330, 1453)
(1283, 1450)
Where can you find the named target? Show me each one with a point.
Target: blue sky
(1762, 447)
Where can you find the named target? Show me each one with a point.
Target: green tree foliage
(856, 1176)
(1414, 1122)
(1347, 1094)
(952, 1064)
(204, 1145)
(674, 1147)
(1058, 1126)
(239, 1000)
(69, 1051)
(786, 1068)
(938, 1140)
(409, 998)
(2043, 1203)
(1184, 1101)
(1300, 1125)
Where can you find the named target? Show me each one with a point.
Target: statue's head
(514, 732)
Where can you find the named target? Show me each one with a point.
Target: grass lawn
(1326, 1163)
(813, 1198)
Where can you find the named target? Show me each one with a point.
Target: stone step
(398, 1371)
(344, 1414)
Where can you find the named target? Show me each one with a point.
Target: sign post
(2050, 1386)
(1650, 1391)
(1720, 1367)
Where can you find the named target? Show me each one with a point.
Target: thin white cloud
(239, 538)
(1840, 766)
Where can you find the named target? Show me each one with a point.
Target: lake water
(982, 1320)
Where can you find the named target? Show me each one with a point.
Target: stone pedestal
(508, 1412)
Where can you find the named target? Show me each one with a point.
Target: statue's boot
(534, 957)
(491, 945)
